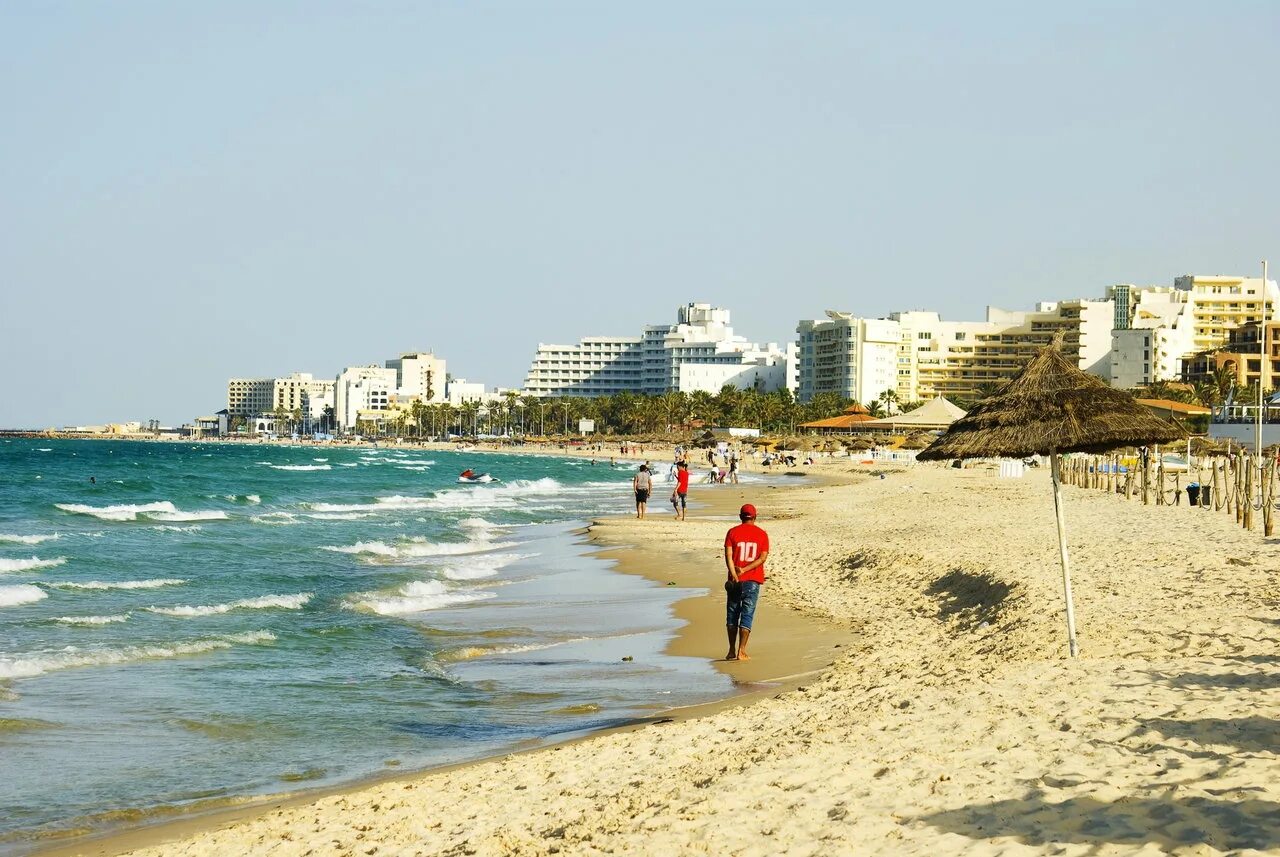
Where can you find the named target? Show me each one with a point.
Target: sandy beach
(950, 723)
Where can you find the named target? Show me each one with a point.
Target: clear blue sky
(194, 191)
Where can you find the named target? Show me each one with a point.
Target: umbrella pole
(1062, 553)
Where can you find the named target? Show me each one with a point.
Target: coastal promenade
(951, 722)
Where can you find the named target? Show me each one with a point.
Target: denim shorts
(741, 608)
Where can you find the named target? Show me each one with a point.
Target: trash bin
(1206, 495)
(1193, 494)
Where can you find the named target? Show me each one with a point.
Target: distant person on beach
(642, 483)
(746, 547)
(679, 497)
(733, 470)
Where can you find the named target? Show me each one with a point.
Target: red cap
(747, 511)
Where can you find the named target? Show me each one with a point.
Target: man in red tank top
(679, 496)
(746, 547)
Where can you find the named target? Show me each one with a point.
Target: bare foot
(742, 656)
(731, 656)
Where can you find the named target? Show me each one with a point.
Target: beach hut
(853, 417)
(935, 414)
(1051, 407)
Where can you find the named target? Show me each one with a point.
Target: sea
(187, 624)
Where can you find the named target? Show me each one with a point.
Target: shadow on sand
(1168, 822)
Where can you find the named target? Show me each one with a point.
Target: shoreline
(953, 723)
(800, 649)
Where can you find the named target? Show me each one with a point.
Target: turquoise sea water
(217, 620)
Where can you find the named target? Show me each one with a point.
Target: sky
(196, 191)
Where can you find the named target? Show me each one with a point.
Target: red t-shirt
(748, 542)
(682, 480)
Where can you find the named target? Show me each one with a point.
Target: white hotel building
(699, 352)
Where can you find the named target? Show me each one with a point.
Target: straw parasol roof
(1052, 406)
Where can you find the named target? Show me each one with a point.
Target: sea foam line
(27, 540)
(27, 666)
(91, 620)
(416, 597)
(23, 593)
(153, 583)
(30, 564)
(265, 602)
(161, 510)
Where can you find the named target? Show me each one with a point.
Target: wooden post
(1268, 486)
(1146, 477)
(1177, 489)
(1159, 477)
(1128, 483)
(1063, 555)
(1217, 500)
(1248, 493)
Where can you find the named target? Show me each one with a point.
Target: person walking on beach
(746, 547)
(642, 484)
(679, 496)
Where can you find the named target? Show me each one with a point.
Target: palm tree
(889, 398)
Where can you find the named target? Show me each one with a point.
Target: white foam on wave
(321, 460)
(394, 503)
(123, 512)
(511, 495)
(416, 597)
(24, 593)
(418, 548)
(91, 620)
(265, 602)
(299, 466)
(153, 583)
(251, 499)
(477, 567)
(275, 518)
(340, 516)
(169, 528)
(349, 464)
(27, 540)
(30, 564)
(159, 511)
(209, 515)
(27, 666)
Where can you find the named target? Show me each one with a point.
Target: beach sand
(950, 724)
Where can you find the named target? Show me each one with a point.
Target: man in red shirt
(746, 547)
(680, 494)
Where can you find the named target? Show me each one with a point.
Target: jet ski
(470, 477)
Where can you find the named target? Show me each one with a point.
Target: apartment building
(362, 388)
(1170, 327)
(419, 375)
(248, 397)
(698, 351)
(1241, 357)
(854, 358)
(596, 366)
(958, 359)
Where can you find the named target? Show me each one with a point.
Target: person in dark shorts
(642, 484)
(746, 547)
(679, 496)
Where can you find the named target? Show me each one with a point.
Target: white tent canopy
(934, 414)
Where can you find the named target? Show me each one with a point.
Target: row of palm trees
(623, 413)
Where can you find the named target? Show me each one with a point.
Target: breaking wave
(265, 602)
(91, 620)
(154, 583)
(27, 666)
(415, 597)
(299, 467)
(417, 548)
(30, 564)
(27, 540)
(24, 593)
(159, 511)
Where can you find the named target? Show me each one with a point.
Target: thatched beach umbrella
(1049, 408)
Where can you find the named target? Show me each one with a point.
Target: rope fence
(1240, 484)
